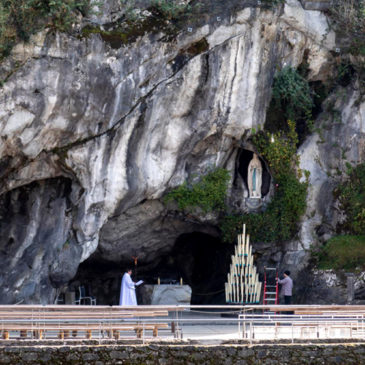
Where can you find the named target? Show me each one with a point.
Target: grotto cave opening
(200, 259)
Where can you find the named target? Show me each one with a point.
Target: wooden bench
(64, 331)
(66, 320)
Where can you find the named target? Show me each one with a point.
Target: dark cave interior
(200, 259)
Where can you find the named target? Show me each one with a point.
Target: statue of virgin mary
(254, 177)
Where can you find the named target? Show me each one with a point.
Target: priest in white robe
(127, 290)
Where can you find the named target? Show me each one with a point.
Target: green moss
(208, 194)
(129, 30)
(343, 253)
(272, 3)
(116, 38)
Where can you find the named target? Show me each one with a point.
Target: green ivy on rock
(279, 221)
(279, 149)
(351, 195)
(343, 253)
(292, 99)
(207, 194)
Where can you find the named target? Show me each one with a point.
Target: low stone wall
(186, 354)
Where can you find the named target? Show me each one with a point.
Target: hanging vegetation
(343, 253)
(292, 99)
(279, 221)
(208, 193)
(351, 195)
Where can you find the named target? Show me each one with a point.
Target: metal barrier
(311, 326)
(202, 323)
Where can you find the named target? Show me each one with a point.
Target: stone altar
(166, 294)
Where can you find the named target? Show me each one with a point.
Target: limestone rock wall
(124, 125)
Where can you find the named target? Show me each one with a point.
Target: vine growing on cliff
(292, 99)
(342, 253)
(279, 221)
(208, 193)
(351, 196)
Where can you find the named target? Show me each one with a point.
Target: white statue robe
(127, 291)
(254, 177)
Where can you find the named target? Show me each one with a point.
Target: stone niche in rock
(241, 197)
(199, 259)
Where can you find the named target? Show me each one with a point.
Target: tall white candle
(253, 273)
(242, 291)
(256, 288)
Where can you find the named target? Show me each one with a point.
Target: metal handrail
(246, 318)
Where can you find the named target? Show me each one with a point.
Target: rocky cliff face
(94, 134)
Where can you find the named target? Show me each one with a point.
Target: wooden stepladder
(271, 287)
(243, 285)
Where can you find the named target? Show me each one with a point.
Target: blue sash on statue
(254, 179)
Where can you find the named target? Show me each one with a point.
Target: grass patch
(343, 253)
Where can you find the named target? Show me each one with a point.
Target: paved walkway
(204, 326)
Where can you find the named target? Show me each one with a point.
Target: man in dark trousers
(286, 287)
